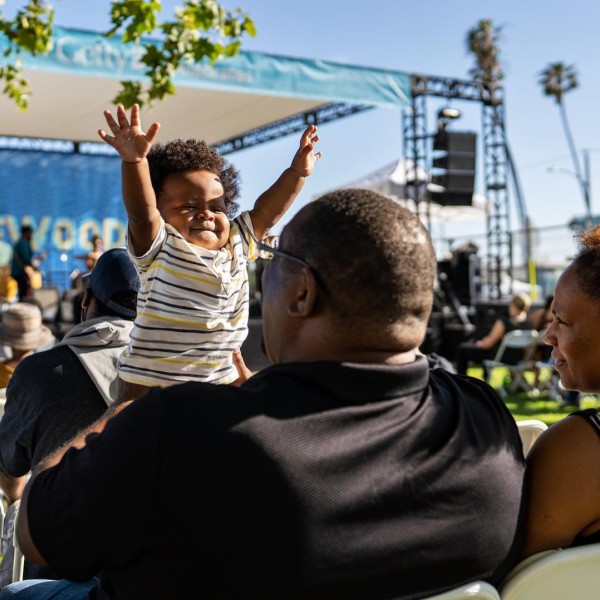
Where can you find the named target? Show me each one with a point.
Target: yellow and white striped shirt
(192, 309)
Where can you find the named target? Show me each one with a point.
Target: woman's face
(575, 335)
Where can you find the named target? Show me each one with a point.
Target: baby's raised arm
(272, 204)
(133, 145)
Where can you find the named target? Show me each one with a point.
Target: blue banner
(67, 198)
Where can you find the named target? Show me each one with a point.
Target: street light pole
(587, 184)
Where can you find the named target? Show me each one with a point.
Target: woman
(486, 347)
(563, 467)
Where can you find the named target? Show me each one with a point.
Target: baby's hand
(129, 140)
(304, 160)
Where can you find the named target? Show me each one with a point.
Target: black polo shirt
(314, 480)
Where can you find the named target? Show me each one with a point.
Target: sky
(425, 37)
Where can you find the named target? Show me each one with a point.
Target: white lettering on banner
(104, 55)
(63, 233)
(99, 54)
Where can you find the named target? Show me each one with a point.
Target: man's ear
(303, 294)
(85, 302)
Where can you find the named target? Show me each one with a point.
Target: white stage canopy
(390, 180)
(77, 80)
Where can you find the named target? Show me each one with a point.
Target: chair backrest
(530, 430)
(476, 590)
(2, 401)
(555, 575)
(49, 299)
(526, 340)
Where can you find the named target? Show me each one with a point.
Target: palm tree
(557, 79)
(483, 42)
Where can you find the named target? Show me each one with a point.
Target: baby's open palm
(128, 138)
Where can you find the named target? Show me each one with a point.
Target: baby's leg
(131, 391)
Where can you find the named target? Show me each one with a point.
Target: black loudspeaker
(454, 167)
(460, 275)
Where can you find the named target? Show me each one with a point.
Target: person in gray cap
(55, 393)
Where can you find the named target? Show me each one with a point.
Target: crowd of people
(140, 458)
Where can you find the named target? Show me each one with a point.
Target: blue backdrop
(67, 197)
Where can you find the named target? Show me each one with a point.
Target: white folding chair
(524, 341)
(563, 574)
(476, 590)
(13, 562)
(49, 299)
(18, 558)
(530, 430)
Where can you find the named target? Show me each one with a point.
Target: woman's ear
(303, 294)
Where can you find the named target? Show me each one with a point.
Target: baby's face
(194, 204)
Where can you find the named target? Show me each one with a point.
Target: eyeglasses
(269, 251)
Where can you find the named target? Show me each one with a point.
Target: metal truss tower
(417, 143)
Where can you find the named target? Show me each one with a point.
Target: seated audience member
(363, 473)
(563, 472)
(22, 332)
(55, 393)
(542, 317)
(487, 346)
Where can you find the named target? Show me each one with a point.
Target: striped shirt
(192, 309)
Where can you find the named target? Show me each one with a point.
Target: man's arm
(22, 526)
(12, 487)
(133, 145)
(272, 204)
(493, 337)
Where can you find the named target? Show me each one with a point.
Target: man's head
(368, 291)
(27, 231)
(111, 287)
(195, 189)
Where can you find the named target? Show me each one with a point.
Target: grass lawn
(527, 406)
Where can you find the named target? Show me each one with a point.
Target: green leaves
(200, 30)
(30, 31)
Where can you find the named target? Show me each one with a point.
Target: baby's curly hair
(182, 156)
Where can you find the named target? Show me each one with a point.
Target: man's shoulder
(58, 360)
(55, 355)
(464, 386)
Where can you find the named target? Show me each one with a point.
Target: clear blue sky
(425, 37)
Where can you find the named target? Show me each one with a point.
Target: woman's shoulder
(567, 440)
(591, 415)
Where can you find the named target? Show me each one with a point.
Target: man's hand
(128, 139)
(305, 159)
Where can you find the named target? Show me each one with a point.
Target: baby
(190, 251)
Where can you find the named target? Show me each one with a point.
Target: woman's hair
(183, 156)
(521, 301)
(586, 263)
